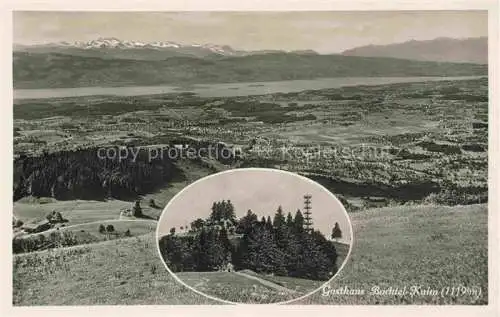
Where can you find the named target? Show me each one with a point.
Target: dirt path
(267, 283)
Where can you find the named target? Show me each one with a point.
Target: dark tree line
(280, 246)
(83, 174)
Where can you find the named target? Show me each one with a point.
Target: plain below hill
(54, 70)
(469, 50)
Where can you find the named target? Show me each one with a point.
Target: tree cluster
(106, 229)
(222, 210)
(37, 242)
(280, 246)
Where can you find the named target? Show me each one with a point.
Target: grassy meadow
(431, 246)
(234, 288)
(75, 211)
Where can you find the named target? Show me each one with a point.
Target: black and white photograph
(250, 157)
(245, 248)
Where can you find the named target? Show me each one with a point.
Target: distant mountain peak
(115, 43)
(196, 49)
(441, 49)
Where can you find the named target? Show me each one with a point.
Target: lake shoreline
(226, 89)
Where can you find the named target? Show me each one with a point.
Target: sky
(262, 191)
(322, 31)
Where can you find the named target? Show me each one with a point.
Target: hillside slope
(49, 70)
(471, 50)
(431, 246)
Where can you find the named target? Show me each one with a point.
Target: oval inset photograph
(254, 236)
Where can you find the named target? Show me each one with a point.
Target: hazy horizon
(260, 191)
(322, 31)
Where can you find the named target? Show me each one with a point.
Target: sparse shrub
(137, 210)
(102, 229)
(128, 233)
(153, 269)
(110, 228)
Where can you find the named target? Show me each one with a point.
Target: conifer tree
(247, 222)
(200, 251)
(269, 223)
(137, 210)
(298, 221)
(224, 240)
(263, 221)
(279, 218)
(229, 211)
(280, 229)
(336, 232)
(260, 251)
(289, 220)
(215, 251)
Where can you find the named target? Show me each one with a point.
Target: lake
(225, 90)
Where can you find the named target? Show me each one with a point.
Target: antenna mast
(307, 214)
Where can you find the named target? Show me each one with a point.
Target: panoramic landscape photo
(248, 249)
(115, 113)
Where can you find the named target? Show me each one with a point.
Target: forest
(81, 174)
(285, 245)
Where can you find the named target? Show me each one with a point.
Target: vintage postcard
(306, 157)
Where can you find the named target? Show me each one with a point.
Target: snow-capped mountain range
(111, 42)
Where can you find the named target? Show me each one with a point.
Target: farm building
(55, 217)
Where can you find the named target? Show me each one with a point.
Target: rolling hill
(55, 70)
(470, 50)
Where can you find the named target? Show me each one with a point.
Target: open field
(431, 246)
(428, 246)
(122, 272)
(78, 211)
(75, 211)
